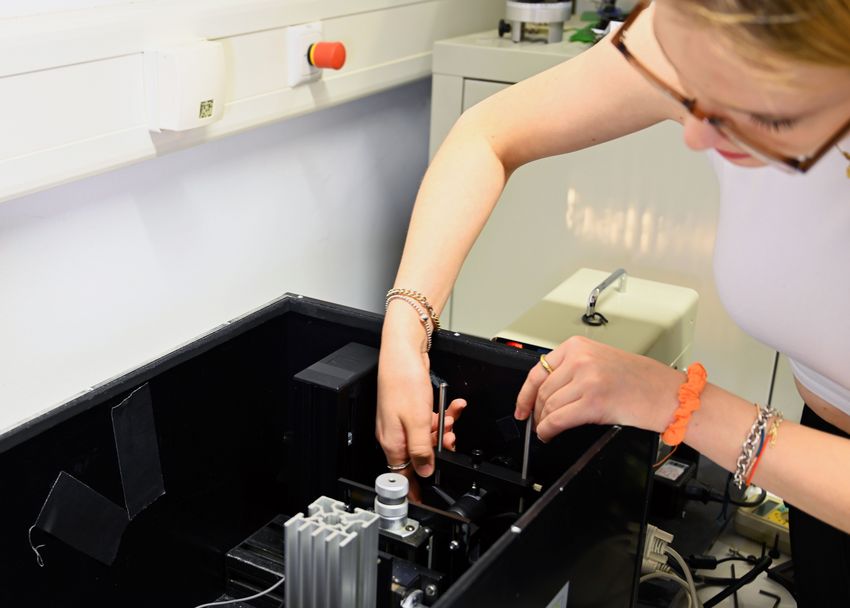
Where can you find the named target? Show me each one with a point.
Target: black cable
(676, 567)
(760, 566)
(697, 490)
(709, 562)
(734, 593)
(773, 378)
(745, 503)
(715, 581)
(750, 559)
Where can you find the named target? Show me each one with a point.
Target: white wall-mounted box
(185, 85)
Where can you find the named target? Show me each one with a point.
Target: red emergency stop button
(329, 55)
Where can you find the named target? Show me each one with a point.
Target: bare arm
(590, 99)
(596, 383)
(806, 467)
(587, 100)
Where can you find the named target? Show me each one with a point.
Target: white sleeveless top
(782, 266)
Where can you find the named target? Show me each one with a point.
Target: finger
(413, 489)
(392, 440)
(448, 440)
(414, 492)
(557, 380)
(528, 392)
(420, 449)
(564, 395)
(537, 375)
(454, 411)
(447, 425)
(456, 408)
(446, 431)
(563, 418)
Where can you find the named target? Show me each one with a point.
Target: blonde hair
(811, 31)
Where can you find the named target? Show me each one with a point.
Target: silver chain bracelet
(751, 443)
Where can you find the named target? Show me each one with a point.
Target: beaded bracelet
(424, 317)
(410, 293)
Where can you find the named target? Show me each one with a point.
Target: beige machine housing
(644, 317)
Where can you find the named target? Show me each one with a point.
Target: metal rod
(441, 427)
(526, 450)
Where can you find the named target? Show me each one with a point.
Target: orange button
(327, 55)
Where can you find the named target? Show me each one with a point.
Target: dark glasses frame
(794, 164)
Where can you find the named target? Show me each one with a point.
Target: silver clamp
(591, 316)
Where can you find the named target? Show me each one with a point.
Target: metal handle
(590, 315)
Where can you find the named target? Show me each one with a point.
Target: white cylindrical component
(394, 513)
(538, 12)
(516, 31)
(391, 487)
(391, 500)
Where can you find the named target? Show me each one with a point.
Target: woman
(764, 86)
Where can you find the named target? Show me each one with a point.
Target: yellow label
(778, 516)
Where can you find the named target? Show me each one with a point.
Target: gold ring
(545, 364)
(398, 467)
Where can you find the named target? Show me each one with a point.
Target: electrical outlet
(298, 41)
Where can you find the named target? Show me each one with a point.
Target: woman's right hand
(405, 404)
(406, 424)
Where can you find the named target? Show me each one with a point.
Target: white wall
(102, 274)
(19, 8)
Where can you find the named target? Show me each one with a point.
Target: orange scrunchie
(689, 394)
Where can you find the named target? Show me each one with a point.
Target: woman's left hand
(593, 383)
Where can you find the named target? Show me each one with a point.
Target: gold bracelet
(774, 428)
(424, 318)
(410, 293)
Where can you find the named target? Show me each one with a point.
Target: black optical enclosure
(134, 493)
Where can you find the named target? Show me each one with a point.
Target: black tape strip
(83, 518)
(138, 451)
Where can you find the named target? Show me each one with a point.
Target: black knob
(477, 458)
(504, 27)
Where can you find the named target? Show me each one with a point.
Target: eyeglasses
(792, 164)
